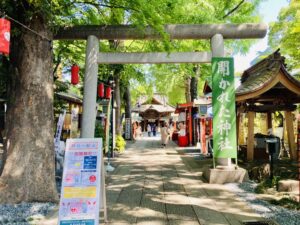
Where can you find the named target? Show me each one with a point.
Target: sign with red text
(80, 191)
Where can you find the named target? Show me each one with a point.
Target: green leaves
(285, 34)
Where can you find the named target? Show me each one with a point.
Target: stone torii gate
(215, 32)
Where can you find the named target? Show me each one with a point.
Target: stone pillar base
(222, 175)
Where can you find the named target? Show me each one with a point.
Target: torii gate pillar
(217, 49)
(90, 88)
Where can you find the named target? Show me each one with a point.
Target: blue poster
(77, 222)
(90, 162)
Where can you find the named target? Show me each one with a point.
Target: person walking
(164, 134)
(149, 130)
(154, 130)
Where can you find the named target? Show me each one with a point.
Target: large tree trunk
(117, 96)
(127, 98)
(29, 173)
(188, 89)
(117, 69)
(194, 83)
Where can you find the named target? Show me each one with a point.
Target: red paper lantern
(101, 90)
(4, 36)
(75, 74)
(108, 92)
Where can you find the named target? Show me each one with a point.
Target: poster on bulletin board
(81, 183)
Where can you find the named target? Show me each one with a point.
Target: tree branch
(234, 9)
(106, 5)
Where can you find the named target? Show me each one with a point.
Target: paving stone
(153, 202)
(153, 222)
(183, 222)
(153, 186)
(169, 186)
(130, 198)
(209, 216)
(180, 212)
(112, 197)
(119, 223)
(121, 214)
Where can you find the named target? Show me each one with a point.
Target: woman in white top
(164, 134)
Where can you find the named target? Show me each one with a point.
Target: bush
(267, 183)
(100, 133)
(120, 143)
(287, 203)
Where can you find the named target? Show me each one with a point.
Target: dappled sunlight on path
(154, 185)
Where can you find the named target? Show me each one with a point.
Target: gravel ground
(279, 214)
(23, 213)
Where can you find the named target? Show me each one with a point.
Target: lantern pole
(90, 88)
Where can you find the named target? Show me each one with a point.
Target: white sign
(80, 192)
(74, 123)
(60, 124)
(127, 128)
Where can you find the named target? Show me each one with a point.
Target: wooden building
(72, 122)
(154, 110)
(267, 87)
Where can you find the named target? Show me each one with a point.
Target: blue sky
(269, 10)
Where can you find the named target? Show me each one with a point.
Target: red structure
(4, 36)
(197, 127)
(187, 108)
(108, 92)
(100, 90)
(74, 74)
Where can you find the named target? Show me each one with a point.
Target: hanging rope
(3, 15)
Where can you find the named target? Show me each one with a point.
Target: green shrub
(287, 203)
(120, 143)
(100, 133)
(267, 183)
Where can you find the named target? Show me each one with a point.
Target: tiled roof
(262, 73)
(158, 108)
(69, 97)
(159, 98)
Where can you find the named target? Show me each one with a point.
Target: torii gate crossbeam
(215, 32)
(175, 31)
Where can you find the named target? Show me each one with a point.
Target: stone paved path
(160, 186)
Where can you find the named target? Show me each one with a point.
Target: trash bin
(273, 147)
(182, 141)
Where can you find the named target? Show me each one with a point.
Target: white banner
(60, 124)
(80, 192)
(74, 123)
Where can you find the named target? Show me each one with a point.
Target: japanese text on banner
(224, 120)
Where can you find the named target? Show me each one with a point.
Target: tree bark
(188, 89)
(127, 98)
(29, 171)
(117, 97)
(194, 83)
(117, 69)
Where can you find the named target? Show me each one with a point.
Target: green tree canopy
(285, 34)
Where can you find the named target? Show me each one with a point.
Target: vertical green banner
(224, 115)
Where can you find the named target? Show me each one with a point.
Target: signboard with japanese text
(224, 116)
(80, 191)
(127, 128)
